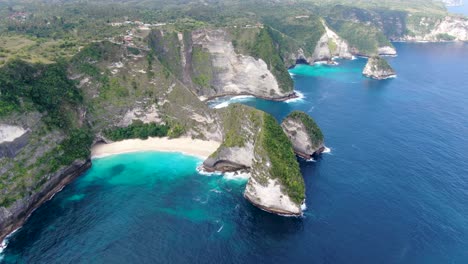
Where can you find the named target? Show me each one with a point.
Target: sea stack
(304, 134)
(378, 68)
(254, 143)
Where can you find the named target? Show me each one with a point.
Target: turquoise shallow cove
(394, 188)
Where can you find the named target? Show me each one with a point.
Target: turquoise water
(394, 188)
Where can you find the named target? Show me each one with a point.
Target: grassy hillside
(41, 98)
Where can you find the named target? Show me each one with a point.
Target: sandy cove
(189, 146)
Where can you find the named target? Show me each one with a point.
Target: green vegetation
(265, 48)
(45, 88)
(76, 146)
(202, 68)
(233, 120)
(380, 63)
(312, 128)
(166, 46)
(304, 31)
(284, 165)
(58, 139)
(137, 129)
(445, 37)
(367, 39)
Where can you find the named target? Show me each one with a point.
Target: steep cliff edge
(329, 46)
(436, 29)
(254, 142)
(378, 68)
(305, 135)
(14, 216)
(206, 61)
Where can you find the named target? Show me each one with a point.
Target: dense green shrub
(137, 129)
(284, 164)
(312, 128)
(45, 87)
(265, 49)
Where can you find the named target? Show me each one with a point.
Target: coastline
(57, 182)
(185, 145)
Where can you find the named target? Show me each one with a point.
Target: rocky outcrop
(449, 28)
(14, 216)
(329, 46)
(387, 51)
(305, 135)
(206, 61)
(254, 142)
(235, 73)
(378, 68)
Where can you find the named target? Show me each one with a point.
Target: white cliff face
(10, 133)
(455, 27)
(270, 197)
(387, 51)
(330, 45)
(236, 73)
(300, 139)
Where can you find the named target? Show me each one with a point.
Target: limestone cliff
(305, 135)
(387, 51)
(254, 142)
(378, 68)
(435, 29)
(329, 46)
(206, 61)
(12, 217)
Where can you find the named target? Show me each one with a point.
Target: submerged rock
(305, 135)
(378, 68)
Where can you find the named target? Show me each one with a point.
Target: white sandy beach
(189, 146)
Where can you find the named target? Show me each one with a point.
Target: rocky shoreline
(271, 210)
(16, 216)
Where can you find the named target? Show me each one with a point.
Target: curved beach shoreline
(186, 145)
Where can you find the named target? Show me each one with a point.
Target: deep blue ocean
(394, 188)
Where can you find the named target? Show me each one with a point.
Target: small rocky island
(378, 68)
(304, 134)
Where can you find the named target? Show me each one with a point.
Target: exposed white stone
(270, 197)
(387, 51)
(145, 115)
(236, 73)
(330, 38)
(10, 133)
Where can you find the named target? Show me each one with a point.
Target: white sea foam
(235, 176)
(215, 191)
(327, 150)
(303, 206)
(222, 105)
(221, 228)
(201, 171)
(300, 98)
(311, 160)
(5, 241)
(226, 101)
